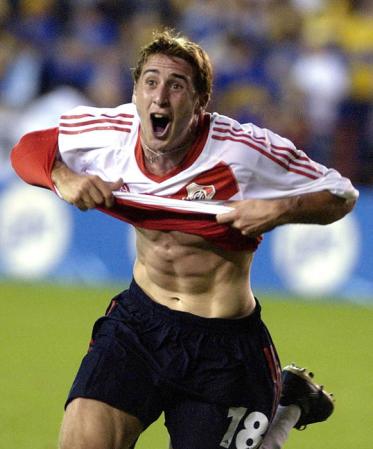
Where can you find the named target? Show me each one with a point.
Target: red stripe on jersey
(73, 117)
(242, 133)
(275, 370)
(91, 122)
(265, 153)
(286, 151)
(292, 152)
(239, 130)
(307, 167)
(258, 138)
(222, 123)
(96, 128)
(118, 115)
(288, 158)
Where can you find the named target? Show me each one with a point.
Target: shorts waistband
(141, 301)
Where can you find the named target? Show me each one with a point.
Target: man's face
(166, 101)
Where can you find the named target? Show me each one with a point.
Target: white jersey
(230, 161)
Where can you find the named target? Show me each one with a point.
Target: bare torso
(187, 273)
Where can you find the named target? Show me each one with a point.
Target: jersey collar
(190, 157)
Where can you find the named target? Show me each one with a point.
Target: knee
(77, 430)
(90, 424)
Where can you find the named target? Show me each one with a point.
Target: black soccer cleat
(298, 388)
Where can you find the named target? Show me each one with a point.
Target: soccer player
(186, 338)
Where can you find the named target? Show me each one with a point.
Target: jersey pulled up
(229, 161)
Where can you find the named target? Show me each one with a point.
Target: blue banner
(42, 237)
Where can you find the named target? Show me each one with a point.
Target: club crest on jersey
(198, 192)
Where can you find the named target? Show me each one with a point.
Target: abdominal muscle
(187, 273)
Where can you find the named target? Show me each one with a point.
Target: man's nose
(161, 96)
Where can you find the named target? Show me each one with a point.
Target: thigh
(94, 424)
(194, 424)
(117, 371)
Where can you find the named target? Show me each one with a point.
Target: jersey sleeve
(282, 170)
(33, 157)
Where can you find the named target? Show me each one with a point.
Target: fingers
(116, 185)
(233, 219)
(83, 191)
(103, 191)
(248, 226)
(248, 230)
(89, 192)
(81, 206)
(227, 217)
(251, 232)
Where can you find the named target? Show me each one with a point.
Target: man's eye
(176, 86)
(150, 83)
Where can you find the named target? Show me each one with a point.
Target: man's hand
(83, 191)
(254, 217)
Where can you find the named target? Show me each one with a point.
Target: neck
(164, 160)
(153, 156)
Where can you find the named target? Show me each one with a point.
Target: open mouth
(160, 124)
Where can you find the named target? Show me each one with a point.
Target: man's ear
(134, 95)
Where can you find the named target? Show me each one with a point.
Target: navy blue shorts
(216, 380)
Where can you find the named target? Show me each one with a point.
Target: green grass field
(45, 330)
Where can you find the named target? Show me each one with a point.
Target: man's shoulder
(228, 133)
(227, 128)
(89, 124)
(220, 122)
(78, 113)
(90, 128)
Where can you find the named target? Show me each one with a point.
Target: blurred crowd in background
(303, 68)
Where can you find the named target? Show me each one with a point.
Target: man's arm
(34, 155)
(256, 216)
(35, 160)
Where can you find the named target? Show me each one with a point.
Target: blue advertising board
(42, 237)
